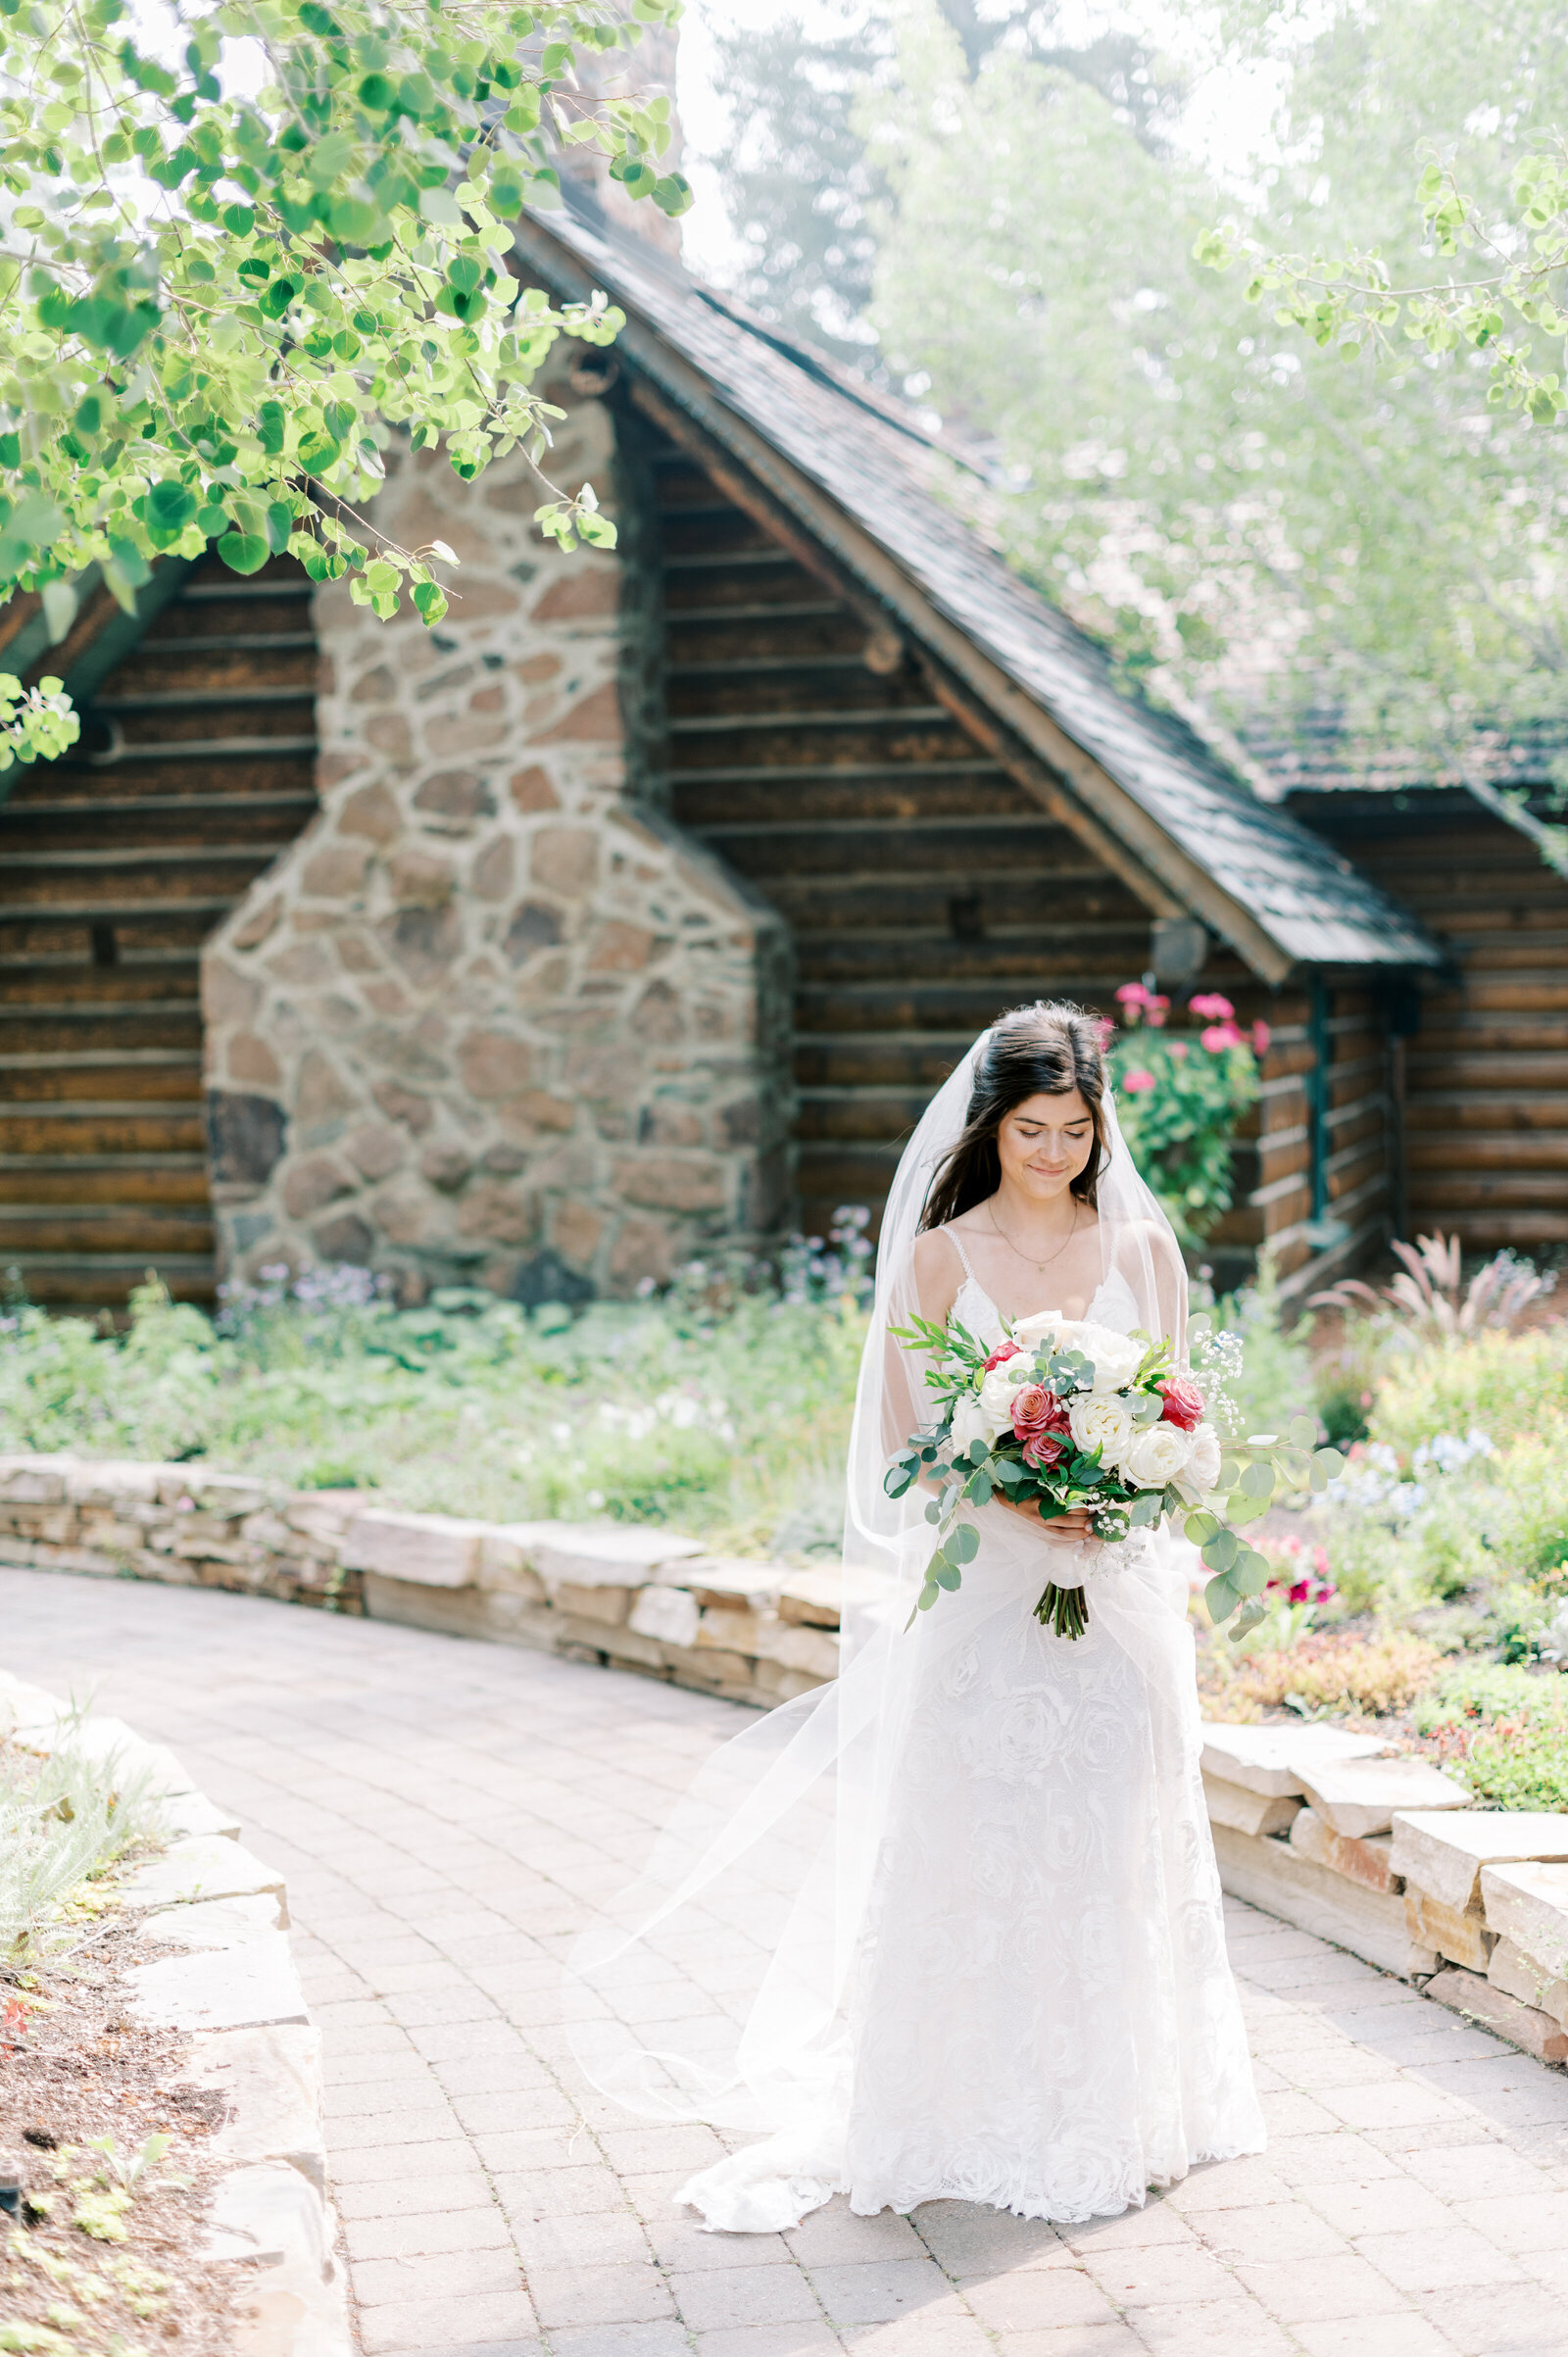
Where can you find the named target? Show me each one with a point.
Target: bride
(950, 1927)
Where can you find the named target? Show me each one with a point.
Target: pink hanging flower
(1220, 1036)
(1178, 1048)
(1211, 1007)
(1136, 1083)
(1262, 1035)
(1132, 993)
(1157, 1010)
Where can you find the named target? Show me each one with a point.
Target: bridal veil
(723, 1981)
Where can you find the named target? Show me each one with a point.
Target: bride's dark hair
(1042, 1051)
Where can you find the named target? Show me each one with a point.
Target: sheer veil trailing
(723, 1985)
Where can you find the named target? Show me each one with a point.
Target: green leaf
(60, 603)
(244, 552)
(1303, 1431)
(430, 602)
(1257, 1481)
(1221, 1598)
(964, 1543)
(1201, 1526)
(1220, 1551)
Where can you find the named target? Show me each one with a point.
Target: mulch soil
(74, 2065)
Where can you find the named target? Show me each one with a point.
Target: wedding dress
(949, 1928)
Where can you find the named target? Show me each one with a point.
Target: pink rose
(1183, 1403)
(1043, 1450)
(1036, 1409)
(1135, 1083)
(1211, 1008)
(1220, 1036)
(999, 1356)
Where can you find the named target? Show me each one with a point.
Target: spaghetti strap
(952, 1238)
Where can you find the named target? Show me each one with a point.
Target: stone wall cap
(1528, 1905)
(26, 1480)
(1362, 1795)
(436, 1550)
(1444, 1851)
(213, 1923)
(243, 1986)
(1270, 1761)
(207, 1866)
(591, 1554)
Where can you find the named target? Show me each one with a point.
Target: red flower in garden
(1183, 1403)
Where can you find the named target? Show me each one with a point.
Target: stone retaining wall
(215, 1922)
(1382, 1854)
(1386, 1856)
(634, 1597)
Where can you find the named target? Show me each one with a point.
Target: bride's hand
(1064, 1530)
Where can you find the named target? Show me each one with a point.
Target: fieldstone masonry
(492, 1018)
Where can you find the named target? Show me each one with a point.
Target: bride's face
(1044, 1143)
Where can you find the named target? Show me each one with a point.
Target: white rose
(968, 1424)
(1201, 1470)
(1046, 1325)
(1155, 1456)
(1100, 1420)
(1116, 1357)
(998, 1392)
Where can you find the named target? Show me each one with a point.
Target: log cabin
(634, 912)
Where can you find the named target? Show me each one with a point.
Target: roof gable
(862, 478)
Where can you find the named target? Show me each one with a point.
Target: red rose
(1043, 1450)
(1183, 1403)
(999, 1356)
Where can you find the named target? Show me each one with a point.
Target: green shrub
(722, 1408)
(1507, 1384)
(1504, 1732)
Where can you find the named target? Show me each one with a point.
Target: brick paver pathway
(445, 1810)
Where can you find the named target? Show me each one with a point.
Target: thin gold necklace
(1040, 1265)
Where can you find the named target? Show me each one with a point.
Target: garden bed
(106, 2140)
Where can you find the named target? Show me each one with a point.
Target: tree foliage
(1369, 556)
(1510, 307)
(245, 242)
(805, 193)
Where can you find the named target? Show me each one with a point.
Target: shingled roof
(847, 466)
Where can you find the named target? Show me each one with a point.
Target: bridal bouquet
(1066, 1415)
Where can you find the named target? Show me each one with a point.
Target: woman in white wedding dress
(951, 1928)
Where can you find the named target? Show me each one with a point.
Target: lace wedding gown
(949, 1926)
(1043, 2016)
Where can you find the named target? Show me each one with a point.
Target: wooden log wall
(1484, 1081)
(196, 767)
(926, 891)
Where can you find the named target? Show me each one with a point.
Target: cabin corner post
(491, 1020)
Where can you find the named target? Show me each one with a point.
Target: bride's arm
(928, 1289)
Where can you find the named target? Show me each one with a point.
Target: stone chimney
(648, 71)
